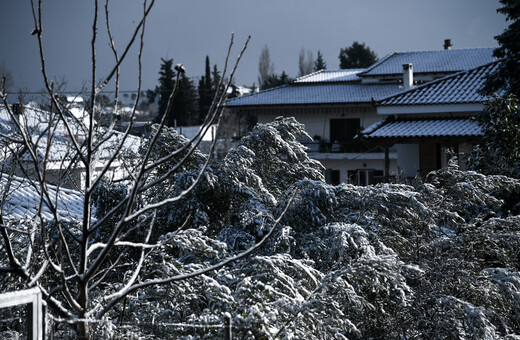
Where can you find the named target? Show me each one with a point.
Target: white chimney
(407, 76)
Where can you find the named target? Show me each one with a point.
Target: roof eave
(256, 106)
(422, 139)
(431, 108)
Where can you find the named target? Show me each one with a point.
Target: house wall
(345, 165)
(408, 161)
(317, 118)
(413, 159)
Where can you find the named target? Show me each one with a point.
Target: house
(430, 123)
(62, 165)
(21, 201)
(335, 105)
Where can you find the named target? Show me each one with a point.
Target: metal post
(228, 328)
(387, 162)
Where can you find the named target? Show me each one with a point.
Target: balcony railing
(354, 146)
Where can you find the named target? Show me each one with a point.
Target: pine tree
(276, 80)
(166, 84)
(320, 64)
(356, 56)
(184, 110)
(507, 77)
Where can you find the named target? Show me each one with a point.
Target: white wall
(317, 123)
(408, 161)
(343, 165)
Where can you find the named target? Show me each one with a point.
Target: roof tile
(419, 128)
(459, 88)
(440, 61)
(330, 93)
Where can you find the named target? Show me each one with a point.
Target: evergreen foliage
(184, 110)
(166, 84)
(205, 91)
(507, 78)
(356, 56)
(499, 152)
(276, 80)
(320, 64)
(434, 260)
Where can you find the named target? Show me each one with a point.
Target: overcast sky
(188, 30)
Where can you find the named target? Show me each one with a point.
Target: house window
(344, 129)
(332, 176)
(364, 176)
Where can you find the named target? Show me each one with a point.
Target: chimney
(407, 76)
(447, 44)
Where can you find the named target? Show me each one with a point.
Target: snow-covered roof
(330, 76)
(422, 128)
(347, 86)
(316, 93)
(37, 120)
(442, 61)
(22, 200)
(61, 147)
(459, 88)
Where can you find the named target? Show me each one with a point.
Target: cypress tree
(205, 92)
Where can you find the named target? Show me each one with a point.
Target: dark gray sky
(188, 30)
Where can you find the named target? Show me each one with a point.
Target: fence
(23, 316)
(22, 307)
(104, 329)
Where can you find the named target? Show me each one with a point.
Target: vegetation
(500, 121)
(85, 264)
(438, 259)
(356, 56)
(507, 78)
(185, 108)
(305, 63)
(320, 64)
(499, 152)
(182, 239)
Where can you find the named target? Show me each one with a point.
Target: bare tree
(6, 76)
(69, 260)
(305, 64)
(265, 66)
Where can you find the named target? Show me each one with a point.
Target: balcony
(354, 149)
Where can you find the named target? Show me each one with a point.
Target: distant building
(62, 165)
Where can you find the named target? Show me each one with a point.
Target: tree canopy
(499, 152)
(320, 64)
(356, 56)
(265, 67)
(276, 80)
(393, 261)
(507, 78)
(185, 108)
(436, 259)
